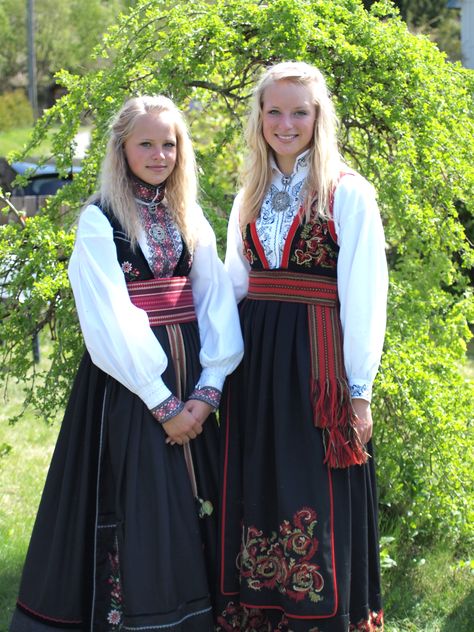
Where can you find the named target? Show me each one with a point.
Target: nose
(158, 153)
(285, 121)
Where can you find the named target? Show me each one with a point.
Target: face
(150, 149)
(288, 116)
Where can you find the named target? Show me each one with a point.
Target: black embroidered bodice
(309, 248)
(169, 254)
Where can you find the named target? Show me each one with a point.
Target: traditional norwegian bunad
(125, 537)
(299, 540)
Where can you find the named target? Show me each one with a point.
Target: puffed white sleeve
(236, 264)
(362, 281)
(216, 311)
(116, 333)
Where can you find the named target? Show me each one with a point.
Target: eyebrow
(167, 140)
(296, 107)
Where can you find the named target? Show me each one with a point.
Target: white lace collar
(281, 203)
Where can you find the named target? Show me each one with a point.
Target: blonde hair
(324, 157)
(115, 189)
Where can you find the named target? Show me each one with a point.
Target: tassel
(333, 414)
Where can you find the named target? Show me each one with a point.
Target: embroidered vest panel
(310, 248)
(133, 262)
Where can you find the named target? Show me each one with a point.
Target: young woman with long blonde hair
(125, 535)
(305, 253)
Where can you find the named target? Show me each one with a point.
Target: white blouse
(117, 334)
(362, 276)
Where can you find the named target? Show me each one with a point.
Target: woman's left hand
(199, 410)
(363, 422)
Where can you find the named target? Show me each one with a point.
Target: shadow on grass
(461, 619)
(9, 583)
(430, 595)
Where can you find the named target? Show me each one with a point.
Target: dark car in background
(42, 180)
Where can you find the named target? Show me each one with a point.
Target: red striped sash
(169, 301)
(330, 394)
(166, 301)
(281, 285)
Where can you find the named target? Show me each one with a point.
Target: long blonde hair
(115, 189)
(324, 157)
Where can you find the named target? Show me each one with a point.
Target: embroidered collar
(301, 163)
(147, 193)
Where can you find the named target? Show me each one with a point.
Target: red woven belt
(330, 395)
(281, 285)
(166, 301)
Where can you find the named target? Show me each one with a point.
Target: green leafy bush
(15, 110)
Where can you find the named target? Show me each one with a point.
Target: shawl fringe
(333, 413)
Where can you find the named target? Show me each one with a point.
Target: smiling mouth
(288, 137)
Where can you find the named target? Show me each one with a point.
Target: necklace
(281, 200)
(152, 206)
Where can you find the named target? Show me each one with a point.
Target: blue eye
(145, 143)
(301, 113)
(170, 144)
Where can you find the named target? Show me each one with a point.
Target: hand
(363, 421)
(182, 428)
(199, 410)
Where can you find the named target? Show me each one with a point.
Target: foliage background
(406, 124)
(65, 33)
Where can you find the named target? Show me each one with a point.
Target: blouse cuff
(361, 389)
(212, 377)
(167, 409)
(208, 394)
(154, 392)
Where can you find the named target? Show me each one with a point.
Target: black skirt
(299, 542)
(120, 540)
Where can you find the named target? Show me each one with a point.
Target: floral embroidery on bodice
(307, 247)
(163, 239)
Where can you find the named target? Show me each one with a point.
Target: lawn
(25, 453)
(15, 139)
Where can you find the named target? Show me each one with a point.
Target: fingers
(364, 430)
(182, 428)
(363, 419)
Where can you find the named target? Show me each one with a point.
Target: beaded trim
(167, 409)
(208, 394)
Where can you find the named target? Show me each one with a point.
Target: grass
(15, 139)
(432, 591)
(25, 453)
(22, 474)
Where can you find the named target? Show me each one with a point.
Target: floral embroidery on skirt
(114, 616)
(282, 561)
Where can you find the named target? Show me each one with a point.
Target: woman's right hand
(182, 428)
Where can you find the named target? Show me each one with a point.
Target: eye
(145, 143)
(273, 112)
(170, 143)
(301, 113)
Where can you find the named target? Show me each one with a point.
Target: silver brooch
(157, 233)
(281, 200)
